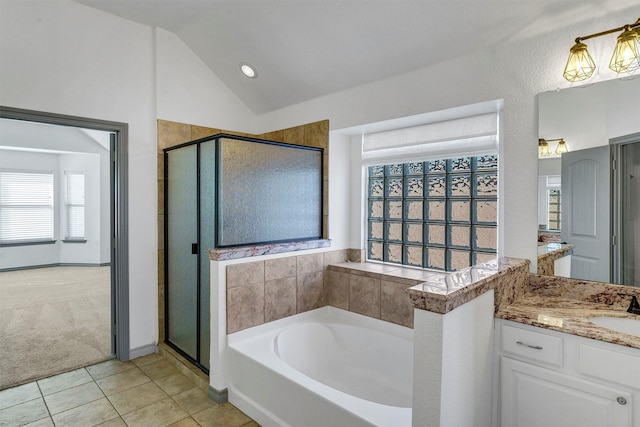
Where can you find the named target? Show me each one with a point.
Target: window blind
(26, 206)
(74, 205)
(471, 136)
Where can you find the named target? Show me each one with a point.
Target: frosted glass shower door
(182, 252)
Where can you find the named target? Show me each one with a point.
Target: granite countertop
(549, 249)
(565, 305)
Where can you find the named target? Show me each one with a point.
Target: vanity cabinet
(549, 379)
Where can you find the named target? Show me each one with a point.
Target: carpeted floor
(53, 320)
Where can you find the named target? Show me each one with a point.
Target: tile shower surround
(263, 291)
(171, 134)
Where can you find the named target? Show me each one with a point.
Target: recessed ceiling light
(248, 70)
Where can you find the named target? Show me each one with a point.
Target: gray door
(586, 211)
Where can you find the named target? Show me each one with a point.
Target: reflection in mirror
(589, 197)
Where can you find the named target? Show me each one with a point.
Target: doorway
(114, 247)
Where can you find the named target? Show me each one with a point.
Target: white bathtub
(326, 367)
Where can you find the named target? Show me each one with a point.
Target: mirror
(600, 119)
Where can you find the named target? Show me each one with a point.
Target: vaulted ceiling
(303, 49)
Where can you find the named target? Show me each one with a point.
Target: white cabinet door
(537, 397)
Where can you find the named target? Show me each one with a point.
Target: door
(586, 211)
(189, 223)
(537, 397)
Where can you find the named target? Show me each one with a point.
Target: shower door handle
(194, 248)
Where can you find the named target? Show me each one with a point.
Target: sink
(619, 324)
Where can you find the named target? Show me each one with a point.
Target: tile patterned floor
(146, 391)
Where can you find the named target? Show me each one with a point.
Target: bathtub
(326, 367)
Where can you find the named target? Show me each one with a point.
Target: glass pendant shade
(562, 147)
(626, 58)
(543, 148)
(580, 65)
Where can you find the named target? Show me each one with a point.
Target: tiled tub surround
(565, 305)
(548, 253)
(263, 291)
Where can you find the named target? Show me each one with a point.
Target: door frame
(617, 233)
(119, 262)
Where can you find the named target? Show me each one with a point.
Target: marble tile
(355, 255)
(172, 133)
(24, 413)
(137, 397)
(116, 422)
(395, 303)
(90, 414)
(193, 400)
(45, 422)
(251, 424)
(294, 135)
(158, 369)
(310, 291)
(245, 274)
(110, 367)
(149, 358)
(20, 394)
(225, 415)
(73, 397)
(187, 422)
(279, 268)
(311, 263)
(245, 307)
(122, 381)
(64, 381)
(198, 132)
(159, 414)
(364, 295)
(336, 291)
(335, 257)
(316, 134)
(174, 384)
(279, 298)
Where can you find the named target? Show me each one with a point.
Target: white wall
(516, 71)
(589, 116)
(63, 57)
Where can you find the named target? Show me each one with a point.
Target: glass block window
(438, 214)
(553, 197)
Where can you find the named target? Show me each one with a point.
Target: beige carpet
(52, 320)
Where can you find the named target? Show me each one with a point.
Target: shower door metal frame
(198, 252)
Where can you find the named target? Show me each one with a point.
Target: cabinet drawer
(610, 366)
(532, 345)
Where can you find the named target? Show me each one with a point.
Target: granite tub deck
(565, 305)
(548, 253)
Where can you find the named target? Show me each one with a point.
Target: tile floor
(146, 391)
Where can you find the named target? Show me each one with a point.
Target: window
(439, 214)
(74, 205)
(553, 196)
(26, 206)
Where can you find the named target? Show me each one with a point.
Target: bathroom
(165, 80)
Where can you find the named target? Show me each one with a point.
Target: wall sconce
(544, 149)
(625, 58)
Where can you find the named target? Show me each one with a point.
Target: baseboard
(218, 396)
(58, 264)
(143, 351)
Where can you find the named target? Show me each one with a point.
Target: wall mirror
(589, 197)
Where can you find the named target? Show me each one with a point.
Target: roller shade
(472, 136)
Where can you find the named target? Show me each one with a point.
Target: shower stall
(229, 191)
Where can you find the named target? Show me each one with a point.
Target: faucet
(634, 307)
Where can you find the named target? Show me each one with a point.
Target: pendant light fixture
(625, 59)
